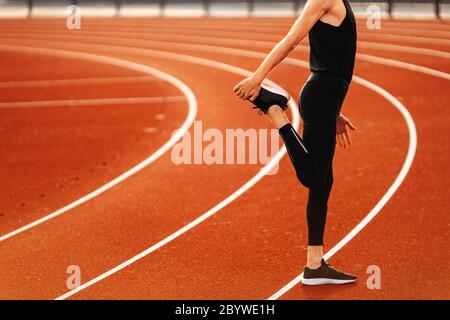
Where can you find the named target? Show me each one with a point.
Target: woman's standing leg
(319, 134)
(320, 102)
(316, 212)
(312, 156)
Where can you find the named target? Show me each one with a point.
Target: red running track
(53, 154)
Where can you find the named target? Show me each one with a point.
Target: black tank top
(333, 49)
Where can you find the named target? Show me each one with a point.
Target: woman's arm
(314, 9)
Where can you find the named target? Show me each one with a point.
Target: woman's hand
(247, 89)
(342, 134)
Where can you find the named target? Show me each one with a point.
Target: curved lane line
(192, 103)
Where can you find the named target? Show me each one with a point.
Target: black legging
(320, 103)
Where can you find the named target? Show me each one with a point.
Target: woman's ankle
(276, 114)
(315, 255)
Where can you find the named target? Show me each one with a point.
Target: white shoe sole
(320, 281)
(276, 90)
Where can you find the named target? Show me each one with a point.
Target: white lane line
(250, 183)
(90, 102)
(387, 196)
(192, 103)
(79, 81)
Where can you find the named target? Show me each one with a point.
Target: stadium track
(254, 246)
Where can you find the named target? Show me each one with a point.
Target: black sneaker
(269, 96)
(326, 274)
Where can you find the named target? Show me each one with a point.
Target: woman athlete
(332, 37)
